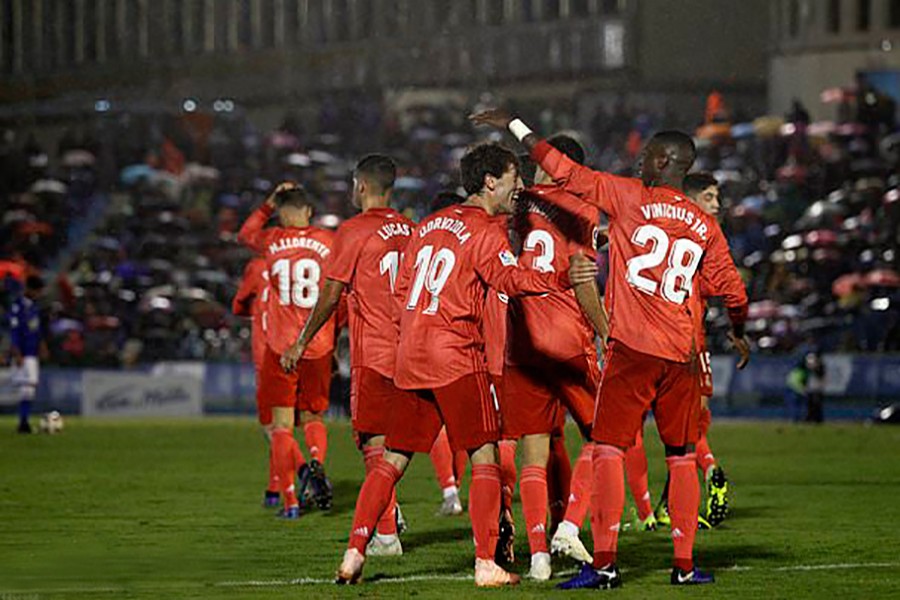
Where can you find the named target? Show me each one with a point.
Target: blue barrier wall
(856, 386)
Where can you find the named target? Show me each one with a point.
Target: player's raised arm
(498, 267)
(252, 232)
(597, 188)
(719, 277)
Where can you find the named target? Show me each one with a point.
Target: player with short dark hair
(660, 248)
(295, 253)
(367, 251)
(455, 257)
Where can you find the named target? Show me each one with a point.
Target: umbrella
(134, 173)
(792, 242)
(769, 126)
(409, 183)
(35, 228)
(322, 157)
(850, 129)
(764, 309)
(48, 186)
(282, 139)
(712, 131)
(78, 158)
(883, 278)
(297, 159)
(196, 294)
(821, 237)
(742, 130)
(847, 284)
(821, 129)
(820, 214)
(197, 173)
(835, 95)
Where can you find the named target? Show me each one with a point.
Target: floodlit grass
(171, 509)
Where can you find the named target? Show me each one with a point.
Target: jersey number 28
(683, 258)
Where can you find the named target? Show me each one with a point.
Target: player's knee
(485, 455)
(310, 417)
(282, 417)
(367, 440)
(399, 460)
(536, 449)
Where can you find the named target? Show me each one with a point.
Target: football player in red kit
(454, 259)
(295, 254)
(660, 247)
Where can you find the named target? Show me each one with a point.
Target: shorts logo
(361, 532)
(507, 259)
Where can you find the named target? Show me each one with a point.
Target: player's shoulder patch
(507, 259)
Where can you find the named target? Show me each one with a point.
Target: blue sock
(24, 411)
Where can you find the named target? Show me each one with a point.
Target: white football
(52, 422)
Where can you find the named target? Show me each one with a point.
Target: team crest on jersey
(507, 259)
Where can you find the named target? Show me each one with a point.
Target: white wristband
(519, 129)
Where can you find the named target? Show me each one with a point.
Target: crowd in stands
(132, 218)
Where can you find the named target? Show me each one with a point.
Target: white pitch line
(838, 566)
(414, 578)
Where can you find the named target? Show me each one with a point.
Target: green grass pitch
(171, 509)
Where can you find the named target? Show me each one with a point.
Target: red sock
(484, 506)
(284, 456)
(316, 440)
(705, 458)
(533, 490)
(374, 497)
(559, 477)
(636, 473)
(387, 523)
(684, 507)
(580, 488)
(273, 486)
(460, 459)
(607, 502)
(507, 472)
(442, 460)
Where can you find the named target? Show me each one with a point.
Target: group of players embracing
(478, 326)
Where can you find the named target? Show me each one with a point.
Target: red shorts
(468, 407)
(634, 382)
(371, 397)
(535, 399)
(306, 388)
(706, 383)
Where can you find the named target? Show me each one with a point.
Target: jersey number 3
(677, 279)
(297, 284)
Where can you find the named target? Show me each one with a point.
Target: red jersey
(294, 261)
(250, 301)
(454, 256)
(549, 236)
(367, 251)
(659, 242)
